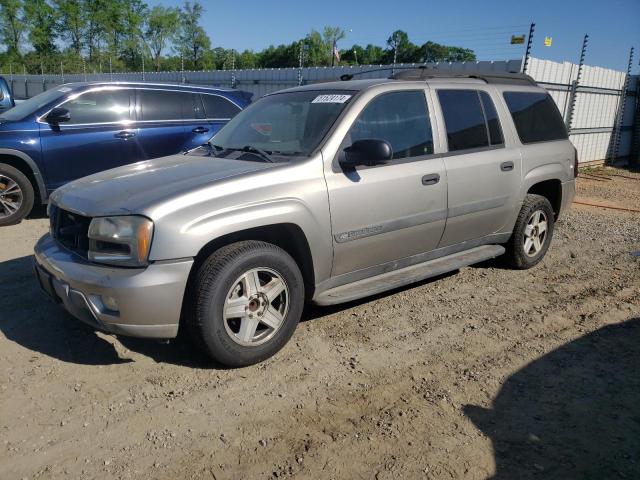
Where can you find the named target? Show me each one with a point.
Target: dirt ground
(486, 372)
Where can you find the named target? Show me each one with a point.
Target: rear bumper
(149, 299)
(568, 194)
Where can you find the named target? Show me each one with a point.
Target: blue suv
(78, 129)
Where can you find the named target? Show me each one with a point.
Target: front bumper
(149, 299)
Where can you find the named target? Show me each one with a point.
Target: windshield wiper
(265, 155)
(212, 149)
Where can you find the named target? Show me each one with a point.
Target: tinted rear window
(464, 119)
(218, 107)
(163, 104)
(536, 116)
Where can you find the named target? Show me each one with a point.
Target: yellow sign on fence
(517, 39)
(548, 41)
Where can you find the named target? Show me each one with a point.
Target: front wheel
(16, 195)
(246, 302)
(532, 233)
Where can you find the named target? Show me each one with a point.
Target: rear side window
(163, 104)
(536, 116)
(101, 106)
(400, 118)
(216, 107)
(464, 119)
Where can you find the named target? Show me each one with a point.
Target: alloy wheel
(256, 306)
(11, 196)
(535, 233)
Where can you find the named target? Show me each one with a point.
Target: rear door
(392, 211)
(161, 120)
(99, 135)
(483, 171)
(218, 110)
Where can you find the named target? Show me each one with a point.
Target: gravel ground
(486, 372)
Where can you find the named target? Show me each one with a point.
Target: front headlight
(122, 241)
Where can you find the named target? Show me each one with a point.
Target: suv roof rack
(424, 73)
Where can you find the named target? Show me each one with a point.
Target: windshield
(32, 105)
(291, 123)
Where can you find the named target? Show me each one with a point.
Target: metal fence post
(44, 84)
(26, 83)
(527, 53)
(576, 84)
(233, 69)
(617, 129)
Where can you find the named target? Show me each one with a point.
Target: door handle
(430, 179)
(506, 166)
(200, 130)
(125, 135)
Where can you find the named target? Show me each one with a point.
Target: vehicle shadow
(573, 413)
(38, 211)
(29, 318)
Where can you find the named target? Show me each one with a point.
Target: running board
(404, 276)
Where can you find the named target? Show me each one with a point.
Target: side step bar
(404, 276)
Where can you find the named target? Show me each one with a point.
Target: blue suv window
(164, 104)
(217, 107)
(100, 106)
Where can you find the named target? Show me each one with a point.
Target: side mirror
(58, 115)
(368, 152)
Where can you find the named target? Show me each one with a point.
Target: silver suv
(325, 193)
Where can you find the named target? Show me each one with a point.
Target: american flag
(336, 52)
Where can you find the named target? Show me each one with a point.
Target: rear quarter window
(535, 116)
(218, 107)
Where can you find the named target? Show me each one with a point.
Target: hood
(137, 187)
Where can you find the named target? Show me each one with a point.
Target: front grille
(70, 230)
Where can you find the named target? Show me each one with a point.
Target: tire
(522, 250)
(225, 285)
(16, 195)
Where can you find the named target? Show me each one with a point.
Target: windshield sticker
(331, 98)
(64, 89)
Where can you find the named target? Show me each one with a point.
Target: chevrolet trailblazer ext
(327, 192)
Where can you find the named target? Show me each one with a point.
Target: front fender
(294, 196)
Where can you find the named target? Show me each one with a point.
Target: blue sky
(483, 25)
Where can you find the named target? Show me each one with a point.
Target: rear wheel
(532, 233)
(16, 195)
(246, 302)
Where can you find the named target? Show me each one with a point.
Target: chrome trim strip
(128, 87)
(419, 219)
(392, 225)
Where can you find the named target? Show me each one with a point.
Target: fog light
(110, 303)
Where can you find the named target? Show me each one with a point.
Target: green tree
(400, 48)
(12, 26)
(71, 21)
(435, 52)
(192, 41)
(94, 13)
(161, 25)
(133, 46)
(41, 19)
(331, 36)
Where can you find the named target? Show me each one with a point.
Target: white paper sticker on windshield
(331, 98)
(64, 89)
